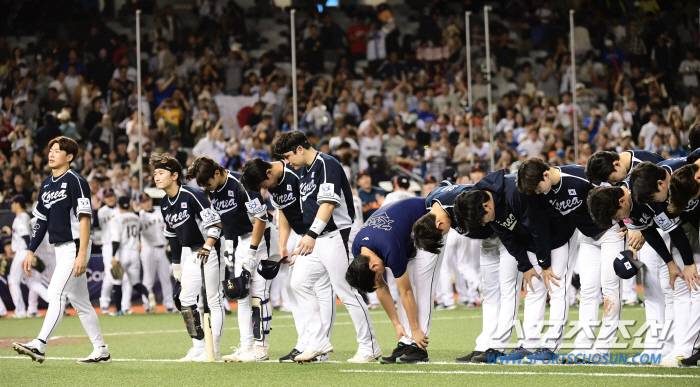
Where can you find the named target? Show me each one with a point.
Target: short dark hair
(203, 169)
(254, 173)
(530, 174)
(600, 166)
(603, 204)
(683, 187)
(289, 141)
(643, 181)
(65, 144)
(694, 136)
(170, 162)
(469, 209)
(426, 236)
(359, 275)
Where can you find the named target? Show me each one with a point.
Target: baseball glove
(38, 264)
(4, 266)
(117, 271)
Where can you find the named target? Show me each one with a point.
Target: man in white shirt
(689, 69)
(507, 121)
(646, 133)
(533, 144)
(565, 110)
(334, 142)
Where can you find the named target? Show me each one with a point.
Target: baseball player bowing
(124, 238)
(243, 216)
(193, 229)
(385, 241)
(327, 206)
(64, 210)
(282, 182)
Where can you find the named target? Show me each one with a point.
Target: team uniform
(238, 210)
(325, 182)
(189, 221)
(61, 201)
(387, 233)
(286, 199)
(124, 238)
(153, 258)
(104, 216)
(47, 253)
(393, 197)
(21, 230)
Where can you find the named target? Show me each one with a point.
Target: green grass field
(145, 348)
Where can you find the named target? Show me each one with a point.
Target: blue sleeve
(680, 241)
(26, 239)
(38, 233)
(534, 218)
(80, 195)
(203, 210)
(514, 246)
(175, 249)
(40, 212)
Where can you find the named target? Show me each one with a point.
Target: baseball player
(64, 210)
(104, 215)
(613, 168)
(124, 238)
(400, 192)
(328, 213)
(47, 253)
(282, 182)
(153, 258)
(566, 189)
(385, 241)
(20, 241)
(244, 217)
(193, 229)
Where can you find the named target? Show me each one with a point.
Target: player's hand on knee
(692, 279)
(673, 272)
(527, 278)
(420, 338)
(27, 264)
(549, 278)
(177, 271)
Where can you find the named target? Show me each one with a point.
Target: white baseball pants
(154, 261)
(14, 280)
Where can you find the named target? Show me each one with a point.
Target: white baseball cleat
(30, 349)
(254, 355)
(98, 355)
(193, 353)
(233, 358)
(203, 357)
(310, 354)
(104, 310)
(362, 358)
(152, 303)
(17, 315)
(671, 360)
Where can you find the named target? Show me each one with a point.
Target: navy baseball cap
(363, 172)
(429, 179)
(19, 199)
(108, 192)
(124, 202)
(402, 181)
(144, 197)
(626, 266)
(269, 269)
(449, 174)
(478, 167)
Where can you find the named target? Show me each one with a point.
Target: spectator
(648, 130)
(313, 52)
(372, 197)
(357, 34)
(689, 69)
(411, 156)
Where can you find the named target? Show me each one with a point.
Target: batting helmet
(269, 269)
(238, 287)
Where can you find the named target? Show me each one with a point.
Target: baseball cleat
(362, 358)
(104, 311)
(468, 358)
(17, 315)
(310, 354)
(34, 314)
(254, 355)
(193, 353)
(30, 350)
(321, 358)
(373, 306)
(488, 355)
(414, 355)
(395, 354)
(203, 357)
(171, 310)
(152, 303)
(98, 355)
(116, 313)
(128, 311)
(233, 358)
(673, 359)
(692, 361)
(445, 307)
(520, 352)
(541, 355)
(289, 358)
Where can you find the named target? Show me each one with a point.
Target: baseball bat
(206, 320)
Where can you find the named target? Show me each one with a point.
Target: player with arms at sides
(650, 186)
(540, 242)
(328, 212)
(124, 238)
(47, 253)
(613, 168)
(193, 229)
(21, 231)
(282, 182)
(244, 217)
(153, 258)
(385, 241)
(64, 210)
(566, 189)
(104, 215)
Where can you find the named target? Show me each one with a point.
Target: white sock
(198, 343)
(217, 339)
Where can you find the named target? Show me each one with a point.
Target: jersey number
(133, 231)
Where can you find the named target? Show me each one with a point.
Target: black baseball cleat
(29, 350)
(520, 353)
(395, 354)
(289, 358)
(414, 355)
(468, 358)
(490, 354)
(693, 361)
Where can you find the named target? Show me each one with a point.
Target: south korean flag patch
(183, 205)
(572, 192)
(230, 193)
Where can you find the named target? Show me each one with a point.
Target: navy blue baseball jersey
(188, 215)
(641, 218)
(388, 233)
(285, 197)
(61, 200)
(325, 181)
(237, 207)
(640, 156)
(444, 195)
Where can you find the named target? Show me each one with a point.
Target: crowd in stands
(377, 88)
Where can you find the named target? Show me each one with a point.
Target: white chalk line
(147, 360)
(505, 373)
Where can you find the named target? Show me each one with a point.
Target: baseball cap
(19, 199)
(108, 192)
(449, 174)
(124, 202)
(430, 179)
(363, 172)
(625, 266)
(402, 181)
(269, 269)
(144, 197)
(478, 167)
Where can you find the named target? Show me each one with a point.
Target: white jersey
(124, 228)
(151, 223)
(104, 217)
(20, 229)
(396, 196)
(45, 249)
